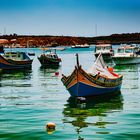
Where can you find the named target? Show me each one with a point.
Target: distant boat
(49, 58)
(15, 60)
(127, 54)
(53, 48)
(80, 46)
(61, 48)
(31, 53)
(99, 80)
(105, 49)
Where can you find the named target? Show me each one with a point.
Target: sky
(69, 17)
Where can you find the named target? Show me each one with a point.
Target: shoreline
(52, 41)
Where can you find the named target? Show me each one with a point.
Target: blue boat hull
(6, 66)
(83, 90)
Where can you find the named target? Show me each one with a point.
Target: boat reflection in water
(47, 70)
(130, 67)
(47, 75)
(81, 113)
(13, 77)
(49, 67)
(131, 74)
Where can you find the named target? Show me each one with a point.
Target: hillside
(40, 40)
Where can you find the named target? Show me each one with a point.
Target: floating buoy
(56, 73)
(50, 127)
(110, 69)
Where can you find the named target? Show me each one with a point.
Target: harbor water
(29, 99)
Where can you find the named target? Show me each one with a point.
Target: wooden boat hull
(11, 64)
(126, 60)
(79, 83)
(88, 90)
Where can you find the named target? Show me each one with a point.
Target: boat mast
(96, 30)
(77, 60)
(4, 31)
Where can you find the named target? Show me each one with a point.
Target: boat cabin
(51, 55)
(103, 48)
(127, 50)
(18, 56)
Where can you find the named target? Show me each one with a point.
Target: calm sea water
(30, 99)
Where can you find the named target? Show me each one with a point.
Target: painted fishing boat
(98, 80)
(49, 59)
(15, 60)
(127, 54)
(105, 49)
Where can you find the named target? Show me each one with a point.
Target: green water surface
(31, 98)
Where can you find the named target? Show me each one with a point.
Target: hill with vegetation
(46, 40)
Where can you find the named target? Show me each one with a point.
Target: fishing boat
(49, 58)
(105, 49)
(98, 80)
(127, 54)
(15, 60)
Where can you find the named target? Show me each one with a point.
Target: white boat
(127, 54)
(80, 46)
(105, 49)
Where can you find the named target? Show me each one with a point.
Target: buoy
(50, 126)
(56, 73)
(110, 69)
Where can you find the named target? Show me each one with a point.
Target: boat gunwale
(67, 80)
